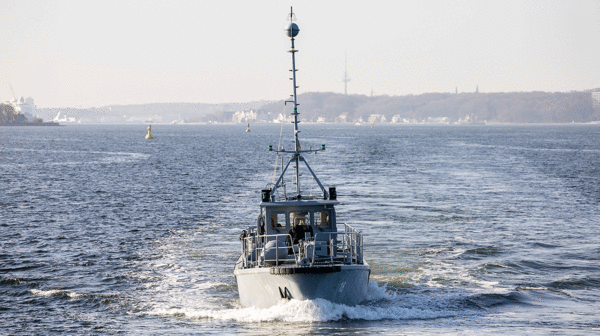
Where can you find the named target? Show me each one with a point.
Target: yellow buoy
(149, 135)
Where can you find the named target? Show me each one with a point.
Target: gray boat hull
(264, 287)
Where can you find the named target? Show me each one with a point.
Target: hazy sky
(96, 53)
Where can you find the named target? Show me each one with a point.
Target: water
(468, 229)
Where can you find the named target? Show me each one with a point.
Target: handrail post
(331, 248)
(312, 260)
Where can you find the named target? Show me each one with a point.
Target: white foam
(318, 310)
(74, 295)
(380, 305)
(440, 274)
(176, 287)
(376, 292)
(47, 292)
(51, 292)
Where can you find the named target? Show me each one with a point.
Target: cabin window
(278, 220)
(322, 218)
(299, 218)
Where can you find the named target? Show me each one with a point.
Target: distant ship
(25, 113)
(24, 106)
(295, 250)
(63, 118)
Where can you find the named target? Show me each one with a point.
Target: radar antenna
(291, 16)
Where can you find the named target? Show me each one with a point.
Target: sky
(98, 53)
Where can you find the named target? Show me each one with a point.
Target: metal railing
(340, 248)
(253, 250)
(348, 250)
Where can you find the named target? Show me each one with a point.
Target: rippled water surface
(470, 229)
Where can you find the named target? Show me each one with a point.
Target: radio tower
(346, 79)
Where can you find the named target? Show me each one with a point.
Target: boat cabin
(316, 216)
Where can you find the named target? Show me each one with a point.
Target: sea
(469, 229)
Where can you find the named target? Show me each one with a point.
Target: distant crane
(12, 90)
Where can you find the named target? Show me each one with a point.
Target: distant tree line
(512, 107)
(217, 116)
(515, 107)
(8, 115)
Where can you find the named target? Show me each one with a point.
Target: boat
(295, 250)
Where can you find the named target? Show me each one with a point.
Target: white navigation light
(291, 30)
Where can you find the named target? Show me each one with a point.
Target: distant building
(244, 116)
(468, 119)
(342, 118)
(63, 118)
(438, 120)
(24, 106)
(155, 119)
(373, 118)
(281, 118)
(398, 119)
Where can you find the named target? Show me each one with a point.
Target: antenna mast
(346, 79)
(292, 31)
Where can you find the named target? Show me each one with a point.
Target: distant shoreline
(348, 124)
(48, 123)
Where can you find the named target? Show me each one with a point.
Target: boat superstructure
(295, 250)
